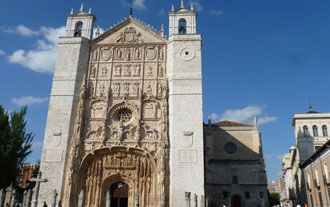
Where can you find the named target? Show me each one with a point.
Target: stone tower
(70, 69)
(185, 106)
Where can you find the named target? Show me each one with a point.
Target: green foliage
(274, 199)
(15, 145)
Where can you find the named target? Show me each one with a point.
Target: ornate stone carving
(151, 52)
(117, 70)
(98, 109)
(127, 70)
(130, 35)
(106, 53)
(137, 70)
(93, 71)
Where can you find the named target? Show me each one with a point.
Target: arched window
(325, 130)
(315, 132)
(182, 26)
(78, 29)
(305, 131)
(326, 172)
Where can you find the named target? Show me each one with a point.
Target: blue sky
(260, 57)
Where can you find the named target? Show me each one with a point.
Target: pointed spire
(71, 11)
(209, 119)
(192, 7)
(162, 30)
(81, 7)
(182, 5)
(97, 33)
(255, 122)
(90, 11)
(172, 9)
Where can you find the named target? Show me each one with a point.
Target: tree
(15, 145)
(274, 199)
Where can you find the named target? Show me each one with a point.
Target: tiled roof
(230, 123)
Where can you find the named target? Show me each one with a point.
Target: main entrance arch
(120, 176)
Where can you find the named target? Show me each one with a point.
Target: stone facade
(235, 169)
(316, 173)
(125, 112)
(311, 133)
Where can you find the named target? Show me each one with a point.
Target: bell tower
(70, 70)
(80, 24)
(185, 107)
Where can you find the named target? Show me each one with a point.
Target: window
(124, 115)
(317, 178)
(261, 194)
(326, 174)
(315, 132)
(321, 200)
(182, 26)
(235, 180)
(325, 130)
(225, 194)
(309, 182)
(230, 148)
(247, 195)
(305, 131)
(78, 29)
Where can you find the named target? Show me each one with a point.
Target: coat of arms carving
(130, 35)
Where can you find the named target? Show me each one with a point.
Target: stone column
(108, 201)
(202, 201)
(195, 200)
(81, 199)
(162, 201)
(136, 199)
(1, 197)
(13, 198)
(29, 198)
(25, 194)
(187, 199)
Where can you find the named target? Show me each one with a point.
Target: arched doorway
(118, 195)
(236, 201)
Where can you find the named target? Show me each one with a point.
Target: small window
(235, 180)
(325, 130)
(78, 29)
(230, 148)
(315, 132)
(326, 172)
(247, 195)
(305, 131)
(182, 26)
(261, 194)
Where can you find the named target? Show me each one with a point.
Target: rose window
(124, 115)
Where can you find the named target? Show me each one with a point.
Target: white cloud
(29, 100)
(25, 31)
(216, 12)
(244, 115)
(139, 4)
(2, 53)
(265, 119)
(196, 4)
(42, 58)
(241, 115)
(21, 30)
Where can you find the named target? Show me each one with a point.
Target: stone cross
(38, 180)
(1, 196)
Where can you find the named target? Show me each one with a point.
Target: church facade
(125, 119)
